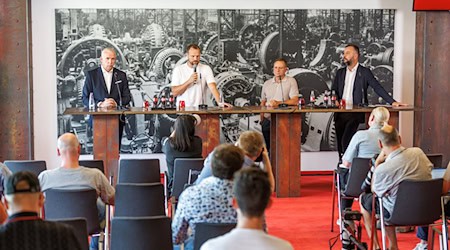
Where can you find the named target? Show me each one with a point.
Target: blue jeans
(188, 244)
(422, 232)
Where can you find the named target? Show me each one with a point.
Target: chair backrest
(33, 166)
(98, 164)
(63, 204)
(358, 172)
(79, 226)
(436, 159)
(417, 203)
(141, 233)
(206, 231)
(139, 171)
(133, 200)
(181, 173)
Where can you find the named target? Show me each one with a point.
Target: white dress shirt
(350, 76)
(108, 78)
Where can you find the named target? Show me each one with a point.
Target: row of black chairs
(409, 209)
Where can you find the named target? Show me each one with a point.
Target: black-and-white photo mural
(239, 45)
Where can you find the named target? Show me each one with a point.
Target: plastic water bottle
(312, 98)
(91, 101)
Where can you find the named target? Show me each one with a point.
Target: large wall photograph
(239, 45)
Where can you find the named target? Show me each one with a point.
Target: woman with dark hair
(182, 143)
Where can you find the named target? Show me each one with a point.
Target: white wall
(44, 59)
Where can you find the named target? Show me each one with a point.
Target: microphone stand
(120, 106)
(282, 104)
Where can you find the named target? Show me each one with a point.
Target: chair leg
(383, 229)
(341, 224)
(374, 223)
(333, 205)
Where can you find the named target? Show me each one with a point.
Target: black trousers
(346, 125)
(265, 128)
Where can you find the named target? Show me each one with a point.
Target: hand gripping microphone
(195, 71)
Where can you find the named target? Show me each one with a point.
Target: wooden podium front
(285, 136)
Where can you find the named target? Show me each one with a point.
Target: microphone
(364, 92)
(195, 71)
(118, 90)
(282, 104)
(202, 105)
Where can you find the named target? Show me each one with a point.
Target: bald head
(68, 142)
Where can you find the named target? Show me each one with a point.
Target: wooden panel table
(285, 136)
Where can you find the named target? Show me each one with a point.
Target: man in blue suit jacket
(351, 84)
(108, 84)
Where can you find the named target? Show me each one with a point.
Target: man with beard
(189, 80)
(350, 84)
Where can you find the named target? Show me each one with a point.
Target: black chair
(357, 174)
(98, 164)
(134, 200)
(206, 231)
(79, 226)
(418, 203)
(436, 159)
(64, 204)
(182, 169)
(33, 166)
(139, 171)
(141, 233)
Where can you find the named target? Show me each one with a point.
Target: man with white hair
(364, 144)
(108, 85)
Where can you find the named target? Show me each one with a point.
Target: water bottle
(91, 101)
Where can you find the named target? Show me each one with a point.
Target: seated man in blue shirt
(209, 201)
(252, 143)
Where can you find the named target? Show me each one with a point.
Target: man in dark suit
(108, 84)
(351, 84)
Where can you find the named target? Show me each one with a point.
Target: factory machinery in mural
(239, 45)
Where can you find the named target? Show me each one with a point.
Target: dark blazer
(95, 83)
(363, 79)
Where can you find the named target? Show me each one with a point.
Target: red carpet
(305, 221)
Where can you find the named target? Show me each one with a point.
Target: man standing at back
(108, 85)
(24, 229)
(251, 190)
(189, 80)
(351, 84)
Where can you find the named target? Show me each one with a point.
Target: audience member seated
(252, 191)
(394, 165)
(24, 229)
(209, 201)
(73, 176)
(364, 144)
(422, 232)
(182, 143)
(252, 143)
(4, 173)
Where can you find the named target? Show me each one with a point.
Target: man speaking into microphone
(279, 91)
(190, 78)
(108, 85)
